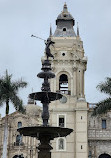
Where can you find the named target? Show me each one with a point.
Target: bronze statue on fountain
(47, 49)
(45, 133)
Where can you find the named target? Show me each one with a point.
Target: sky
(21, 55)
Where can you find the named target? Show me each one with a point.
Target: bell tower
(69, 62)
(69, 65)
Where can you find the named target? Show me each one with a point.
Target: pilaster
(81, 129)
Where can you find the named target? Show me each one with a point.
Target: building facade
(26, 147)
(92, 135)
(99, 135)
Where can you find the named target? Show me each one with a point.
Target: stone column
(81, 83)
(81, 130)
(78, 83)
(74, 93)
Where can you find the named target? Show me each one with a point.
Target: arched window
(61, 144)
(19, 124)
(104, 156)
(63, 84)
(64, 29)
(90, 154)
(18, 140)
(103, 124)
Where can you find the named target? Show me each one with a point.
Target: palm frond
(19, 84)
(105, 87)
(9, 90)
(102, 107)
(18, 103)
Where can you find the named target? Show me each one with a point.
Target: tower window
(63, 84)
(64, 29)
(103, 124)
(65, 15)
(61, 121)
(19, 124)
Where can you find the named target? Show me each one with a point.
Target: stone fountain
(45, 133)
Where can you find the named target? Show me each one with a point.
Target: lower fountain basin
(38, 131)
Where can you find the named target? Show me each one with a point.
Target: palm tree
(8, 93)
(104, 105)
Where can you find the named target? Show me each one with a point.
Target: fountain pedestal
(44, 147)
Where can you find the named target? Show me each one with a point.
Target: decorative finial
(65, 8)
(77, 29)
(50, 31)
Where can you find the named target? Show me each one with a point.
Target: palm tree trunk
(5, 137)
(6, 131)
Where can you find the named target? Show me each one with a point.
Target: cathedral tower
(69, 65)
(69, 61)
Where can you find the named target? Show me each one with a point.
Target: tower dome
(33, 110)
(65, 23)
